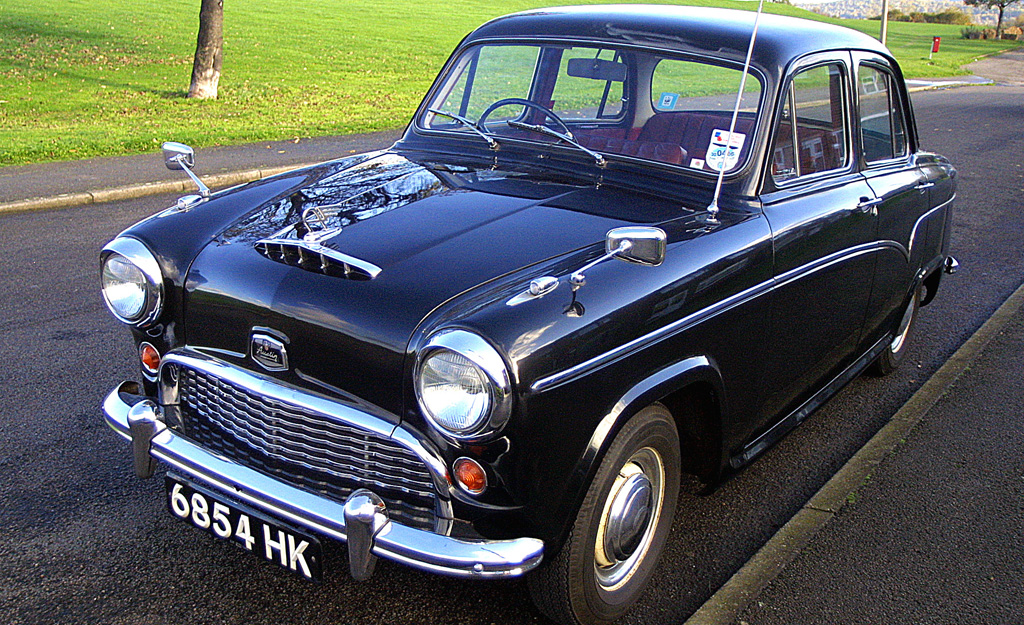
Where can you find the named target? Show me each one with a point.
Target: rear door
(902, 188)
(821, 212)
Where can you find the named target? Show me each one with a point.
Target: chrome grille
(305, 449)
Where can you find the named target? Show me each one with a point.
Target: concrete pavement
(925, 524)
(936, 535)
(1003, 69)
(73, 183)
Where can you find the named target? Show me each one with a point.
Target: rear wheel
(620, 529)
(896, 351)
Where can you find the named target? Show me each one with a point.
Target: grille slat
(301, 425)
(305, 449)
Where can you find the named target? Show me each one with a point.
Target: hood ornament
(315, 220)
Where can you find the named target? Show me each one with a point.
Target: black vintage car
(436, 354)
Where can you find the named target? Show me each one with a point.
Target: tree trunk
(999, 22)
(209, 47)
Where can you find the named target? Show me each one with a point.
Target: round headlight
(124, 286)
(454, 391)
(462, 385)
(132, 282)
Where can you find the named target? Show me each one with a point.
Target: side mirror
(178, 155)
(644, 244)
(181, 156)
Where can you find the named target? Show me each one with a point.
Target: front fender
(660, 384)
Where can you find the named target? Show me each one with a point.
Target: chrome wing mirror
(644, 245)
(181, 156)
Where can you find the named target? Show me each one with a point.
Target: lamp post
(885, 20)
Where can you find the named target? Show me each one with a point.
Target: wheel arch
(693, 392)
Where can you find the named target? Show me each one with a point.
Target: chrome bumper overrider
(361, 521)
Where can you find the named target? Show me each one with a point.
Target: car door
(901, 188)
(821, 211)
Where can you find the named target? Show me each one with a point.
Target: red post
(935, 44)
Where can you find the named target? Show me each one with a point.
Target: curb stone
(129, 192)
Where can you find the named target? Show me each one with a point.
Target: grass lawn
(82, 78)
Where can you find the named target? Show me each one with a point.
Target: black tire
(895, 352)
(603, 568)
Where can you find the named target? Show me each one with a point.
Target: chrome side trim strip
(679, 325)
(417, 548)
(691, 320)
(835, 258)
(913, 232)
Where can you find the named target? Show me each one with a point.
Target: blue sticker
(668, 101)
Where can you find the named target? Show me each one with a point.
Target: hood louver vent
(317, 258)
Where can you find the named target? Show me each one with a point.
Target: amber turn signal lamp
(150, 358)
(470, 476)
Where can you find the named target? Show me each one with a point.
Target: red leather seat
(692, 130)
(655, 151)
(672, 137)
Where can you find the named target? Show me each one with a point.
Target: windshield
(616, 102)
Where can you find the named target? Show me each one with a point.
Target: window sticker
(697, 163)
(667, 101)
(719, 157)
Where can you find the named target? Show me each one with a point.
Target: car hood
(394, 239)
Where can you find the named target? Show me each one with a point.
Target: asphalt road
(83, 541)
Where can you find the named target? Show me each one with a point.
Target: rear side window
(812, 135)
(882, 129)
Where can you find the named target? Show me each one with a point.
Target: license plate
(271, 540)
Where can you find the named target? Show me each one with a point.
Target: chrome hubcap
(627, 519)
(901, 334)
(630, 514)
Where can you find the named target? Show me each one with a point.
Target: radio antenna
(713, 206)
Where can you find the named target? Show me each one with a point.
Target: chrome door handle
(921, 186)
(869, 206)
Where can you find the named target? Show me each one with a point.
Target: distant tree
(993, 4)
(951, 16)
(209, 49)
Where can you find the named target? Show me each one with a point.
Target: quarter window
(812, 134)
(882, 130)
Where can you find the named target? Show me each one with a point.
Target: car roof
(725, 33)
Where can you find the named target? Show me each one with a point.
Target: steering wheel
(528, 104)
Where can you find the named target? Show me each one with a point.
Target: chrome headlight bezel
(152, 286)
(489, 363)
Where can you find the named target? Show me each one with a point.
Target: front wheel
(620, 529)
(896, 351)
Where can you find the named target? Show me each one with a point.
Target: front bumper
(362, 521)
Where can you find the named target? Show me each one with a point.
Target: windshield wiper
(468, 124)
(568, 138)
